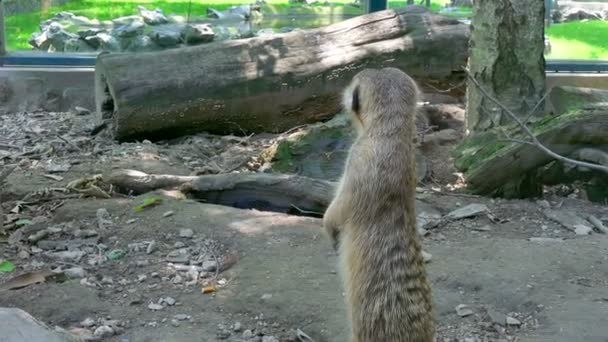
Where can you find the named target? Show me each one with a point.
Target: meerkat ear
(355, 104)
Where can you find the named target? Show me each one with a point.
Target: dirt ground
(508, 273)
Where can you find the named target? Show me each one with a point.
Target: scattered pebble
(75, 273)
(269, 339)
(427, 257)
(87, 322)
(103, 331)
(247, 334)
(580, 229)
(81, 111)
(182, 317)
(470, 210)
(168, 213)
(513, 321)
(155, 307)
(237, 327)
(463, 310)
(151, 247)
(209, 265)
(175, 323)
(186, 233)
(179, 244)
(266, 296)
(23, 255)
(169, 301)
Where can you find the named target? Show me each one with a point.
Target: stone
(77, 45)
(197, 33)
(151, 247)
(248, 334)
(186, 233)
(269, 339)
(266, 296)
(209, 265)
(580, 229)
(141, 43)
(513, 321)
(577, 14)
(155, 307)
(497, 317)
(103, 331)
(182, 317)
(427, 257)
(87, 322)
(169, 301)
(569, 220)
(166, 35)
(470, 210)
(104, 41)
(89, 32)
(175, 323)
(237, 327)
(155, 17)
(75, 273)
(463, 310)
(129, 29)
(81, 111)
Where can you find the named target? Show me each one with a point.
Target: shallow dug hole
(285, 277)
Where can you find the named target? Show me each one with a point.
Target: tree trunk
(269, 84)
(507, 58)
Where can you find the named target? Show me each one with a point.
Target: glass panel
(577, 30)
(90, 26)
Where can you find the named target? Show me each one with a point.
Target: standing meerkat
(372, 217)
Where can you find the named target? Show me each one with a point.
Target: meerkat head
(381, 100)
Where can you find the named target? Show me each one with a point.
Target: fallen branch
(274, 192)
(534, 141)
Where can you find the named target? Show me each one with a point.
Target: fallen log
(493, 165)
(263, 191)
(565, 98)
(269, 83)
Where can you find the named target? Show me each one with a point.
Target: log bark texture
(493, 166)
(565, 98)
(507, 59)
(272, 83)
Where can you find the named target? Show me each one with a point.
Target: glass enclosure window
(91, 26)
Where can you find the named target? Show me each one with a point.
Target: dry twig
(534, 141)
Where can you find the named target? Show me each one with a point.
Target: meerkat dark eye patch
(355, 104)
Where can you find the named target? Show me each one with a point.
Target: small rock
(580, 229)
(155, 17)
(269, 339)
(186, 233)
(82, 334)
(222, 334)
(485, 228)
(168, 213)
(151, 247)
(169, 301)
(197, 33)
(427, 256)
(179, 244)
(266, 296)
(470, 210)
(107, 280)
(130, 29)
(544, 203)
(247, 334)
(175, 323)
(87, 322)
(141, 278)
(513, 321)
(81, 111)
(497, 317)
(181, 317)
(237, 327)
(84, 233)
(155, 307)
(75, 273)
(545, 239)
(463, 310)
(38, 236)
(70, 256)
(209, 265)
(103, 331)
(472, 339)
(23, 254)
(153, 324)
(166, 35)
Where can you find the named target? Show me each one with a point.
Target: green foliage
(6, 266)
(579, 40)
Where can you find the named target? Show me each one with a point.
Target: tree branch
(529, 133)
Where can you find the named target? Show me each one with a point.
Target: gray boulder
(166, 35)
(197, 33)
(155, 17)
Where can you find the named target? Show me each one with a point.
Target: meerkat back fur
(372, 219)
